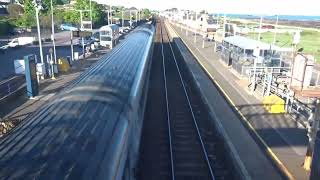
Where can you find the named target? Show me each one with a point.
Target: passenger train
(92, 129)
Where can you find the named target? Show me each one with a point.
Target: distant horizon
(283, 7)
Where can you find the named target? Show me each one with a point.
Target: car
(87, 41)
(20, 41)
(68, 27)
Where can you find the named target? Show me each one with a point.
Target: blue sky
(264, 7)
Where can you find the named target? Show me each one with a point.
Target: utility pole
(224, 26)
(90, 15)
(195, 33)
(71, 36)
(122, 24)
(110, 7)
(187, 24)
(136, 18)
(275, 31)
(53, 40)
(260, 26)
(130, 19)
(38, 6)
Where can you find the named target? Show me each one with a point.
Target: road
(62, 46)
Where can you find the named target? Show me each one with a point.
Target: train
(92, 129)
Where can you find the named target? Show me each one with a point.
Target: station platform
(20, 107)
(277, 142)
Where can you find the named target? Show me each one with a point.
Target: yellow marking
(282, 167)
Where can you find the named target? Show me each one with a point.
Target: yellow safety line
(282, 167)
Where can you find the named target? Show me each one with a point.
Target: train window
(105, 38)
(105, 32)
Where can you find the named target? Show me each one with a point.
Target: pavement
(283, 138)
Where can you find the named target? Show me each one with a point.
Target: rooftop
(247, 43)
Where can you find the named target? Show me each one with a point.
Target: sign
(81, 33)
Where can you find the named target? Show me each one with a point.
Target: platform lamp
(52, 36)
(40, 66)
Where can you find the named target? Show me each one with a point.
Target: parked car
(20, 41)
(87, 41)
(68, 27)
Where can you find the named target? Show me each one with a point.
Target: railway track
(183, 141)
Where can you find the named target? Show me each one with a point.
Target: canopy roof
(247, 43)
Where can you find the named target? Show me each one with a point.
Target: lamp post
(130, 19)
(275, 31)
(260, 26)
(195, 33)
(110, 10)
(90, 16)
(122, 18)
(53, 40)
(38, 6)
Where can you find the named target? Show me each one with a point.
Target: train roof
(85, 131)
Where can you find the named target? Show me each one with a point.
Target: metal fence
(10, 86)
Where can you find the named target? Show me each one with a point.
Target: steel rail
(190, 107)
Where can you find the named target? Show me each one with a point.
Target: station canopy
(247, 43)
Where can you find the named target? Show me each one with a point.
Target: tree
(29, 19)
(15, 11)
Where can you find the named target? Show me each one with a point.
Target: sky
(259, 7)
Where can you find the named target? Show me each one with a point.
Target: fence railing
(10, 86)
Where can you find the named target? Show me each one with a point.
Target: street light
(122, 18)
(53, 40)
(38, 7)
(260, 26)
(275, 31)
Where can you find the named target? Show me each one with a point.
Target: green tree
(28, 19)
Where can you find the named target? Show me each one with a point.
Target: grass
(310, 41)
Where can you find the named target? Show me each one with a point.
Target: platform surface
(284, 136)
